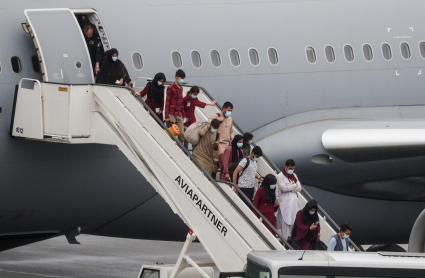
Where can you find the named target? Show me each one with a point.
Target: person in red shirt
(174, 104)
(155, 91)
(191, 101)
(265, 200)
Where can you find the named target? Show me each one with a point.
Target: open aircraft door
(60, 44)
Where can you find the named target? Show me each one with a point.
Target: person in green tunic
(208, 142)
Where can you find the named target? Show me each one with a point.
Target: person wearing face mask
(307, 226)
(246, 172)
(208, 142)
(112, 71)
(226, 134)
(340, 242)
(155, 91)
(191, 101)
(288, 186)
(174, 104)
(247, 141)
(265, 200)
(231, 155)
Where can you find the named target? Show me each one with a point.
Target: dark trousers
(249, 193)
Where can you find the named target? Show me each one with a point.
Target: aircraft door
(60, 45)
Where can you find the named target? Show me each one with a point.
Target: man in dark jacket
(339, 242)
(95, 48)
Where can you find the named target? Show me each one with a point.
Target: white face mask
(273, 186)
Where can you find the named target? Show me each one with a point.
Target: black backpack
(233, 167)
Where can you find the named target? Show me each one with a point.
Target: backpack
(192, 132)
(233, 167)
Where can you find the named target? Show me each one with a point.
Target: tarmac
(95, 257)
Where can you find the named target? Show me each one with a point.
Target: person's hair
(87, 28)
(215, 123)
(290, 162)
(227, 104)
(194, 89)
(345, 227)
(180, 73)
(246, 137)
(257, 151)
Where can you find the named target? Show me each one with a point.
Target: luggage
(192, 132)
(233, 167)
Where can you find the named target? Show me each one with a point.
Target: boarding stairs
(100, 114)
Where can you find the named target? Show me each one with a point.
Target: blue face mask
(114, 59)
(240, 145)
(159, 83)
(249, 142)
(228, 114)
(181, 81)
(311, 212)
(273, 186)
(345, 236)
(290, 172)
(193, 96)
(255, 158)
(213, 130)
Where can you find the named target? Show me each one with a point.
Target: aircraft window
(421, 48)
(196, 59)
(215, 58)
(0, 67)
(235, 59)
(273, 56)
(35, 63)
(386, 51)
(254, 58)
(330, 54)
(177, 59)
(367, 52)
(311, 54)
(16, 64)
(137, 60)
(349, 53)
(405, 50)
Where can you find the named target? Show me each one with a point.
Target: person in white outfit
(288, 186)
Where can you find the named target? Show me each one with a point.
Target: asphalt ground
(95, 257)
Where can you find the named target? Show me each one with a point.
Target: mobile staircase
(81, 114)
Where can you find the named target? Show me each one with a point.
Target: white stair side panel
(215, 241)
(28, 121)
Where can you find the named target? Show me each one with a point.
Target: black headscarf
(156, 92)
(235, 148)
(111, 71)
(270, 193)
(310, 219)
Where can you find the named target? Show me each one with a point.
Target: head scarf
(156, 92)
(237, 153)
(310, 219)
(111, 71)
(270, 193)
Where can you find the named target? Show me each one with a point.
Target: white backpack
(192, 132)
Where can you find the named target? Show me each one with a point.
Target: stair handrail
(207, 175)
(254, 208)
(305, 193)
